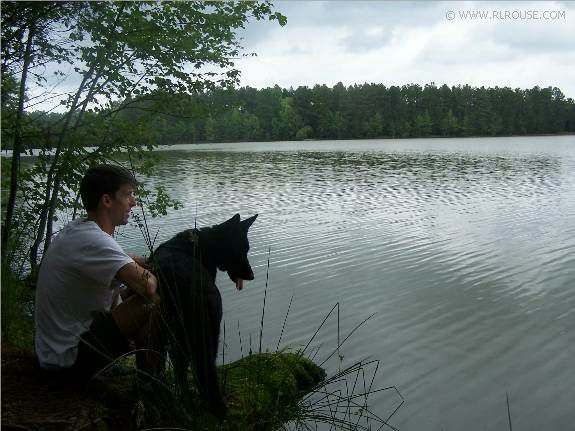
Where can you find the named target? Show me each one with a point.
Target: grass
(274, 390)
(262, 392)
(17, 322)
(342, 400)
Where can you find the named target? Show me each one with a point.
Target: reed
(342, 399)
(509, 412)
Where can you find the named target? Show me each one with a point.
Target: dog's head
(233, 258)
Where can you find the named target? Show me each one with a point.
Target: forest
(354, 112)
(368, 111)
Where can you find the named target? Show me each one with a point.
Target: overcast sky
(516, 44)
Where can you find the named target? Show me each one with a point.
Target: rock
(263, 390)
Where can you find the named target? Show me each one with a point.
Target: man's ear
(106, 200)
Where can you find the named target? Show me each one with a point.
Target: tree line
(355, 112)
(363, 111)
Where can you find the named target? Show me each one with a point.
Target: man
(77, 329)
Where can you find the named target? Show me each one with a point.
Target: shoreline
(7, 153)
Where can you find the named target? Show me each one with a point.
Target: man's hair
(101, 180)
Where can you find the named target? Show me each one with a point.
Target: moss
(262, 391)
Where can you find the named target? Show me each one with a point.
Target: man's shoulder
(83, 226)
(80, 232)
(82, 244)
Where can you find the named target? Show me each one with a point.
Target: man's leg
(99, 346)
(140, 321)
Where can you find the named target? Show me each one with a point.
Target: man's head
(109, 188)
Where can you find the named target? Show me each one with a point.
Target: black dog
(186, 267)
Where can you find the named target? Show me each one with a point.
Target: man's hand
(126, 292)
(155, 299)
(123, 292)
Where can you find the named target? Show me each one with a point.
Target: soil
(33, 399)
(38, 400)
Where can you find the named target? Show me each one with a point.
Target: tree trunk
(18, 141)
(52, 174)
(53, 201)
(94, 74)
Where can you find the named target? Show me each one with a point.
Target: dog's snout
(243, 273)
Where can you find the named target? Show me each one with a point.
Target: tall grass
(342, 399)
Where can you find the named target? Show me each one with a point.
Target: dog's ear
(249, 221)
(235, 219)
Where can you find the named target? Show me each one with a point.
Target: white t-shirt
(77, 277)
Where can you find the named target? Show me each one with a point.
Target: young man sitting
(78, 328)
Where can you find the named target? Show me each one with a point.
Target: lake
(462, 249)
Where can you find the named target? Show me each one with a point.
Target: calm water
(463, 249)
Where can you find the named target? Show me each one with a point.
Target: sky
(515, 44)
(483, 43)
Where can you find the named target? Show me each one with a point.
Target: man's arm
(139, 279)
(125, 292)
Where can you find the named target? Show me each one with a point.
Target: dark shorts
(101, 345)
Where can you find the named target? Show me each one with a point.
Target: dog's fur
(186, 267)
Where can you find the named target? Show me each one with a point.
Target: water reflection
(465, 250)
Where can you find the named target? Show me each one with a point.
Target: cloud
(398, 43)
(367, 39)
(403, 42)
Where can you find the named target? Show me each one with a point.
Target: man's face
(122, 203)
